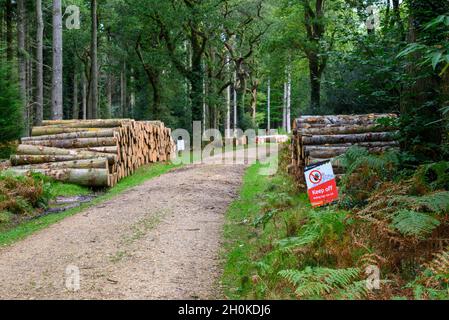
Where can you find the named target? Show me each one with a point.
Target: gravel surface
(160, 240)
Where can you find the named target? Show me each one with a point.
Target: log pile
(320, 138)
(96, 153)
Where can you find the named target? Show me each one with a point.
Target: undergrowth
(390, 217)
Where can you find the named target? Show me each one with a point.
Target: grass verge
(391, 246)
(140, 176)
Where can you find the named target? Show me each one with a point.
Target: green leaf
(411, 48)
(412, 223)
(436, 57)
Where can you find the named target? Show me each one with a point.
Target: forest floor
(160, 240)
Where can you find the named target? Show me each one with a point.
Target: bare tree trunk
(228, 103)
(132, 94)
(21, 42)
(93, 99)
(109, 94)
(39, 113)
(269, 106)
(56, 106)
(75, 110)
(9, 32)
(84, 96)
(235, 101)
(123, 90)
(254, 92)
(284, 108)
(289, 101)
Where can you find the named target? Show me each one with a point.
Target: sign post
(321, 184)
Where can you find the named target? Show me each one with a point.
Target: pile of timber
(96, 153)
(321, 138)
(272, 139)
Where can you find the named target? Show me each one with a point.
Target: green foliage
(433, 282)
(434, 176)
(318, 282)
(10, 106)
(412, 223)
(320, 224)
(23, 195)
(433, 55)
(437, 202)
(364, 173)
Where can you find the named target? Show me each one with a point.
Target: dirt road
(159, 240)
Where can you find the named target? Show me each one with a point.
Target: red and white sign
(321, 184)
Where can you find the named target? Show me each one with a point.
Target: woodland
(257, 64)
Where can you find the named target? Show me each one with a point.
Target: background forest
(242, 63)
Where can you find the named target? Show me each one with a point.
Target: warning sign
(321, 184)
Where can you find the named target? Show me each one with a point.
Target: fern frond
(318, 282)
(439, 266)
(437, 202)
(412, 223)
(356, 291)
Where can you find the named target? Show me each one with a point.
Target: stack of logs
(95, 153)
(321, 138)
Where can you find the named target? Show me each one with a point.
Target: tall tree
(93, 92)
(9, 31)
(21, 46)
(315, 28)
(57, 85)
(39, 104)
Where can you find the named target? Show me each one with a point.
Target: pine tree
(11, 123)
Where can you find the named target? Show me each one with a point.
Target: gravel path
(160, 240)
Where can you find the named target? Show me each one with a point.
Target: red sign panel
(321, 184)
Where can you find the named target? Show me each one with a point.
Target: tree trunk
(196, 94)
(93, 100)
(57, 110)
(228, 101)
(269, 106)
(84, 96)
(284, 108)
(100, 163)
(73, 135)
(39, 111)
(109, 94)
(75, 107)
(83, 177)
(349, 138)
(315, 85)
(76, 143)
(289, 102)
(123, 90)
(254, 91)
(9, 31)
(21, 43)
(26, 160)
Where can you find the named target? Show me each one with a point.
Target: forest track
(160, 240)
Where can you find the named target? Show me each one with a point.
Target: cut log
(42, 131)
(73, 135)
(20, 160)
(69, 122)
(101, 123)
(100, 163)
(350, 138)
(24, 149)
(331, 152)
(343, 119)
(111, 150)
(339, 130)
(75, 143)
(83, 177)
(371, 144)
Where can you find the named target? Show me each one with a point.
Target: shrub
(10, 107)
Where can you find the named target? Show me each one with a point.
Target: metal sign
(321, 184)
